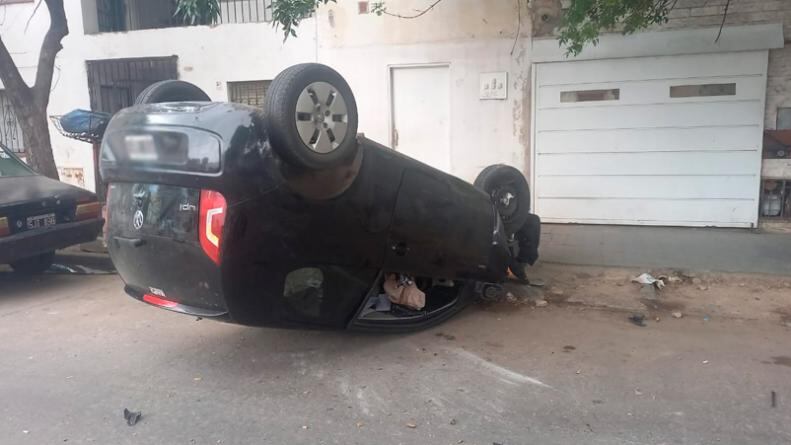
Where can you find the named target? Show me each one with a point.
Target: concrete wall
(208, 57)
(472, 37)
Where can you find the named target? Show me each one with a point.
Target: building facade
(666, 127)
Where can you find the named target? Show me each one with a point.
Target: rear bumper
(179, 307)
(34, 242)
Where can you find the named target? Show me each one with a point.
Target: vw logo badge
(137, 221)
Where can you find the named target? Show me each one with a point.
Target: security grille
(245, 11)
(115, 83)
(10, 133)
(251, 92)
(130, 15)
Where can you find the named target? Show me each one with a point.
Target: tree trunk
(30, 103)
(35, 133)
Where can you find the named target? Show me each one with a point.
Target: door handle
(133, 242)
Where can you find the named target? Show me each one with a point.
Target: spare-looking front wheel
(509, 192)
(312, 117)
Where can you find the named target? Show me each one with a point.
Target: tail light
(4, 229)
(87, 208)
(159, 301)
(212, 219)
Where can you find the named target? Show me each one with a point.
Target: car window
(11, 166)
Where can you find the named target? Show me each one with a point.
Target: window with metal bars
(245, 11)
(130, 15)
(249, 92)
(10, 133)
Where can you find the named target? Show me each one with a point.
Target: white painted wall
(471, 37)
(482, 132)
(208, 57)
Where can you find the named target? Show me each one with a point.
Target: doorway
(421, 113)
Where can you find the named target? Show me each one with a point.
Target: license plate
(141, 147)
(36, 222)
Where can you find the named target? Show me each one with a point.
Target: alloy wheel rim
(322, 117)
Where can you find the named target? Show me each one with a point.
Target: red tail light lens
(212, 220)
(159, 301)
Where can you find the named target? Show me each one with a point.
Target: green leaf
(582, 22)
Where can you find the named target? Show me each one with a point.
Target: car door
(442, 226)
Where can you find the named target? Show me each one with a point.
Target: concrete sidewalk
(721, 250)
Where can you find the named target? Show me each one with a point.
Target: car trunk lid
(155, 245)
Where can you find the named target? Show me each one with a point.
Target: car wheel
(171, 91)
(34, 265)
(312, 117)
(509, 192)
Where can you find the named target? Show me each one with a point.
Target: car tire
(311, 117)
(509, 192)
(34, 265)
(171, 91)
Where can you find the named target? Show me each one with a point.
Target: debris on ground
(671, 278)
(401, 289)
(411, 425)
(541, 303)
(646, 278)
(556, 291)
(638, 320)
(774, 399)
(453, 421)
(648, 291)
(537, 282)
(677, 315)
(132, 417)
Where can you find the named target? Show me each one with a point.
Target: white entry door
(672, 140)
(421, 114)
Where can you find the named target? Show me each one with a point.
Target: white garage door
(653, 140)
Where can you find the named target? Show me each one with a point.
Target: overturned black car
(286, 217)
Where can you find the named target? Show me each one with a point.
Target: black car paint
(390, 213)
(32, 195)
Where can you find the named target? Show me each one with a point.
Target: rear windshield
(11, 166)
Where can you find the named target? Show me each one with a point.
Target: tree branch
(58, 29)
(724, 16)
(415, 15)
(518, 26)
(33, 14)
(12, 79)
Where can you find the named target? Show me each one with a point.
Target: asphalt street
(76, 351)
